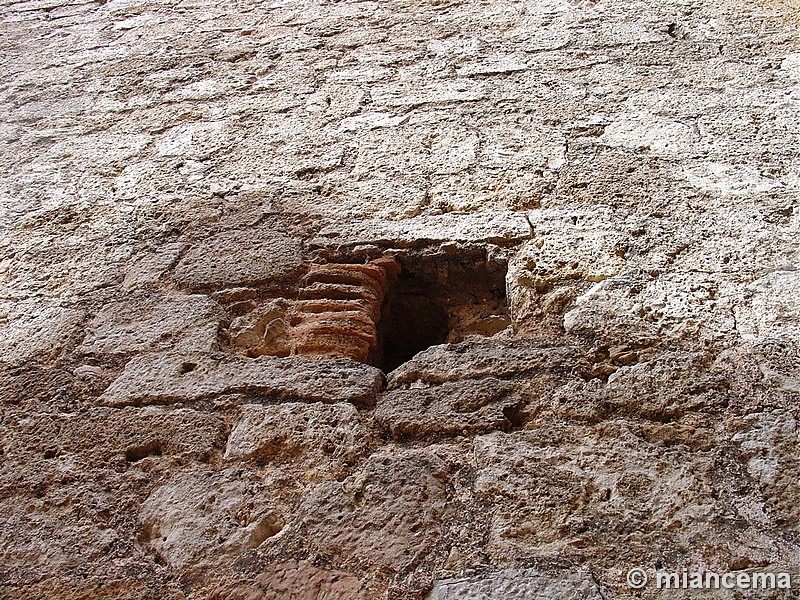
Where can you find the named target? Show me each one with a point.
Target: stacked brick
(338, 309)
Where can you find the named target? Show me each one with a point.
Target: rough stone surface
(452, 408)
(294, 580)
(519, 584)
(544, 481)
(166, 378)
(490, 226)
(295, 431)
(186, 323)
(391, 511)
(262, 330)
(38, 332)
(170, 171)
(147, 269)
(239, 257)
(196, 511)
(475, 360)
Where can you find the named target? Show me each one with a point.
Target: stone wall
(586, 219)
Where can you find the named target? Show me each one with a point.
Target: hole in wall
(137, 453)
(380, 309)
(267, 527)
(413, 319)
(187, 367)
(441, 298)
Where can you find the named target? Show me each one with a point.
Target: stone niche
(378, 310)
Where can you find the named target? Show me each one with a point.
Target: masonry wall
(188, 412)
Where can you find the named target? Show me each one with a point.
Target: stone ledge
(168, 378)
(497, 227)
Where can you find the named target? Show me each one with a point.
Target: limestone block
(520, 584)
(147, 268)
(102, 436)
(663, 388)
(239, 258)
(204, 517)
(295, 580)
(387, 515)
(38, 331)
(557, 489)
(323, 432)
(771, 308)
(474, 360)
(490, 226)
(158, 322)
(166, 378)
(452, 408)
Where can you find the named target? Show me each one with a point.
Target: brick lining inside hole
(382, 312)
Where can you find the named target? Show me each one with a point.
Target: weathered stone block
(37, 331)
(387, 515)
(484, 226)
(160, 322)
(501, 359)
(520, 584)
(323, 432)
(293, 580)
(166, 378)
(239, 258)
(202, 517)
(452, 408)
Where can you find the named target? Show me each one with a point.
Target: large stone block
(204, 517)
(452, 408)
(35, 330)
(240, 257)
(166, 378)
(499, 227)
(295, 580)
(520, 584)
(326, 433)
(387, 516)
(161, 322)
(474, 360)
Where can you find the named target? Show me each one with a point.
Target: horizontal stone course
(168, 378)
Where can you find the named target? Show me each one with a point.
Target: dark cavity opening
(152, 448)
(187, 367)
(441, 298)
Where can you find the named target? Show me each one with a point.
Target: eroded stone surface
(453, 408)
(197, 511)
(636, 163)
(294, 580)
(148, 268)
(473, 360)
(239, 257)
(38, 332)
(490, 226)
(160, 322)
(520, 584)
(261, 331)
(295, 431)
(166, 378)
(545, 481)
(389, 513)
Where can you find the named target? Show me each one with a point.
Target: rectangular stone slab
(498, 227)
(168, 378)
